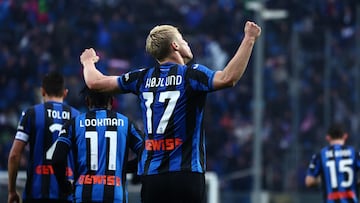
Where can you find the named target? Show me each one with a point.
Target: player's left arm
(136, 144)
(59, 163)
(136, 139)
(234, 70)
(357, 160)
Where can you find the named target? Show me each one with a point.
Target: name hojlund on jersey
(171, 80)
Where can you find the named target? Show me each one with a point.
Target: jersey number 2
(49, 153)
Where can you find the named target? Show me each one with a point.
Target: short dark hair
(97, 99)
(336, 130)
(53, 84)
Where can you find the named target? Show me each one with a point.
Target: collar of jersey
(50, 101)
(167, 64)
(98, 108)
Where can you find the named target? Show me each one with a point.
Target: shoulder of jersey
(195, 66)
(127, 77)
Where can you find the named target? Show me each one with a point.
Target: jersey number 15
(345, 169)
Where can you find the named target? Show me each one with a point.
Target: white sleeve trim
(22, 136)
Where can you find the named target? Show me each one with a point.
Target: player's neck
(55, 99)
(175, 57)
(337, 142)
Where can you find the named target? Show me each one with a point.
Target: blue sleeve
(357, 158)
(128, 82)
(25, 120)
(314, 166)
(201, 78)
(136, 139)
(66, 132)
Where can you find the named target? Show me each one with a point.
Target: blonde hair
(159, 39)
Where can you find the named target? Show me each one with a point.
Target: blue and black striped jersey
(39, 126)
(99, 140)
(172, 99)
(337, 166)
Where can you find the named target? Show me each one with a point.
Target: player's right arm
(94, 79)
(13, 167)
(311, 181)
(313, 172)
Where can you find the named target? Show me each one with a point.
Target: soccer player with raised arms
(172, 98)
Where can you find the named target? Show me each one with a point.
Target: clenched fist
(89, 55)
(252, 30)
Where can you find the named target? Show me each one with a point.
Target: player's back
(39, 126)
(100, 141)
(339, 165)
(172, 98)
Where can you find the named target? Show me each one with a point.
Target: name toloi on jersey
(58, 114)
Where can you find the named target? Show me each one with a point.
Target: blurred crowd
(303, 86)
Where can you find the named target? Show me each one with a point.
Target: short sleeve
(24, 126)
(129, 82)
(136, 138)
(200, 77)
(314, 166)
(66, 132)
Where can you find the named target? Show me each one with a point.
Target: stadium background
(311, 75)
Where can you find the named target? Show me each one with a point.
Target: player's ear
(43, 92)
(345, 136)
(328, 138)
(175, 45)
(65, 92)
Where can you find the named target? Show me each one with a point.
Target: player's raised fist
(89, 55)
(252, 29)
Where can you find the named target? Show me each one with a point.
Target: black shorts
(173, 187)
(45, 201)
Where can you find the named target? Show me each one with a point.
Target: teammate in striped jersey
(335, 168)
(100, 140)
(39, 126)
(172, 98)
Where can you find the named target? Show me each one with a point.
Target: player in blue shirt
(39, 126)
(100, 140)
(335, 168)
(172, 98)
